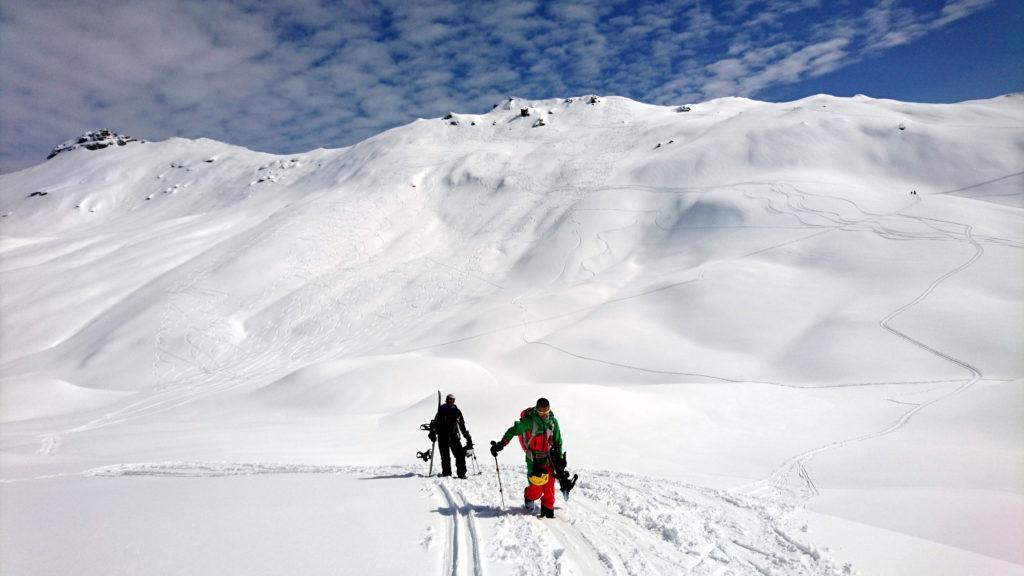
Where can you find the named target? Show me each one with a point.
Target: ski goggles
(539, 480)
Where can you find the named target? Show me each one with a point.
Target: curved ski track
(615, 523)
(791, 485)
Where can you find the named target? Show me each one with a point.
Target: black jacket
(449, 422)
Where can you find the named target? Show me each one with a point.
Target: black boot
(547, 512)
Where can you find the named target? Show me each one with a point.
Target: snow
(163, 525)
(767, 355)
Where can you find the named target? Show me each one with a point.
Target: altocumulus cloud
(297, 75)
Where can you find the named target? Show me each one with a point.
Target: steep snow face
(436, 231)
(760, 287)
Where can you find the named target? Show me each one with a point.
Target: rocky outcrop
(94, 140)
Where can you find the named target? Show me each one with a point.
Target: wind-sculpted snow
(741, 297)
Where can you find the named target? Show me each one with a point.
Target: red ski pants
(546, 493)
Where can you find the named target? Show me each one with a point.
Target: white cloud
(958, 9)
(890, 24)
(287, 77)
(809, 61)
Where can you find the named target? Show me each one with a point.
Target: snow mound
(365, 385)
(27, 398)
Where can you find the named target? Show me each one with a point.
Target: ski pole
(500, 488)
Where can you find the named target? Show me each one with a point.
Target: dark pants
(445, 444)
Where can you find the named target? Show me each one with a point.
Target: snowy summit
(779, 338)
(93, 140)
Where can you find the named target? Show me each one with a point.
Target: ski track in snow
(796, 202)
(617, 523)
(791, 485)
(609, 526)
(206, 362)
(465, 510)
(460, 513)
(195, 357)
(451, 553)
(614, 523)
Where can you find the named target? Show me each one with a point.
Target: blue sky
(292, 76)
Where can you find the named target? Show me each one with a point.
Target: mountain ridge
(807, 309)
(502, 201)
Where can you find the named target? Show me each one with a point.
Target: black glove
(496, 447)
(469, 443)
(432, 437)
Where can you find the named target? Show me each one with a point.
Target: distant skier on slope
(445, 429)
(541, 439)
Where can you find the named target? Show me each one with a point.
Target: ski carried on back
(429, 429)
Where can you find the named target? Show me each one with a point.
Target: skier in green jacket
(541, 439)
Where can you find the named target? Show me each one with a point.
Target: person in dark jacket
(445, 429)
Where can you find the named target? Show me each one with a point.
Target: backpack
(536, 442)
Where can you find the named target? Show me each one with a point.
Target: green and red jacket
(540, 438)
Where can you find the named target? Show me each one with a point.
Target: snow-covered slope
(790, 313)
